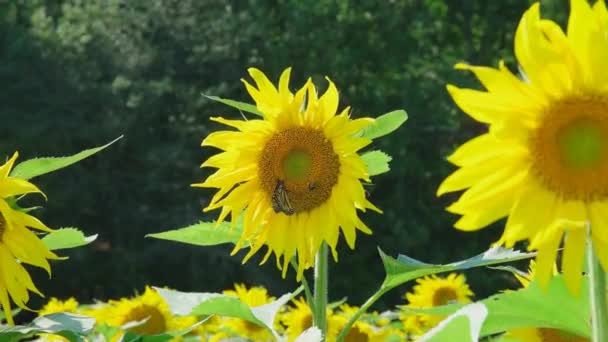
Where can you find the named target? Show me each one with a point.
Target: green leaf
(376, 162)
(167, 336)
(404, 268)
(554, 307)
(463, 325)
(204, 304)
(384, 124)
(39, 166)
(67, 238)
(245, 107)
(204, 234)
(71, 326)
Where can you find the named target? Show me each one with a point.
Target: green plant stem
(304, 282)
(320, 295)
(369, 302)
(597, 295)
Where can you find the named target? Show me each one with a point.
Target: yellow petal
(572, 259)
(6, 168)
(546, 259)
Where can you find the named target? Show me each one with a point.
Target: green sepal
(204, 234)
(384, 124)
(245, 107)
(377, 162)
(68, 237)
(38, 166)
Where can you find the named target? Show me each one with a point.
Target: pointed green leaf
(67, 238)
(384, 124)
(245, 107)
(464, 325)
(554, 307)
(377, 162)
(71, 326)
(204, 234)
(38, 166)
(204, 304)
(404, 268)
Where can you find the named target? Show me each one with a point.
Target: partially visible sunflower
(544, 161)
(55, 305)
(146, 314)
(434, 291)
(254, 296)
(295, 175)
(18, 244)
(540, 334)
(298, 318)
(361, 331)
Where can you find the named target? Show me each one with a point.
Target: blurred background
(78, 73)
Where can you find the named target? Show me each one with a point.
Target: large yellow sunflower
(146, 314)
(18, 244)
(544, 162)
(434, 291)
(294, 175)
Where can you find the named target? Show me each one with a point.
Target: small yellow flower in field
(540, 334)
(361, 331)
(544, 162)
(18, 244)
(148, 314)
(298, 318)
(295, 175)
(55, 305)
(434, 291)
(254, 296)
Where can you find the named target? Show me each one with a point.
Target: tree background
(78, 73)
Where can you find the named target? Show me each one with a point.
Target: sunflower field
(310, 171)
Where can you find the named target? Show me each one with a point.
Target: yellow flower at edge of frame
(544, 161)
(18, 244)
(295, 175)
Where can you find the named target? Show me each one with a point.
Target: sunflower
(294, 175)
(434, 291)
(254, 296)
(540, 334)
(362, 330)
(146, 314)
(544, 161)
(298, 318)
(55, 305)
(18, 244)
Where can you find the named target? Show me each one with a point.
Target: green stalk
(320, 296)
(371, 300)
(597, 295)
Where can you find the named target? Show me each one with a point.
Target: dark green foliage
(79, 73)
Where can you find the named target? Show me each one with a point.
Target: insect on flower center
(298, 169)
(443, 296)
(570, 148)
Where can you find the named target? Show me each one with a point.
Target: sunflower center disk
(570, 148)
(298, 169)
(443, 296)
(155, 323)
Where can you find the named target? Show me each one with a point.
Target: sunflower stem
(597, 295)
(320, 295)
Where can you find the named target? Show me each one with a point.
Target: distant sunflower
(55, 305)
(544, 162)
(434, 291)
(361, 331)
(540, 334)
(298, 318)
(294, 175)
(146, 314)
(254, 296)
(18, 245)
